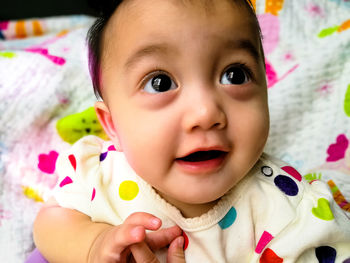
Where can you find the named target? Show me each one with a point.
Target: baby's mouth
(202, 156)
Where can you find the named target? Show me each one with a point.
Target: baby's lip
(213, 150)
(202, 160)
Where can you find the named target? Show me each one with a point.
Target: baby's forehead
(209, 8)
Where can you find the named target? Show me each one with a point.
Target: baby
(184, 176)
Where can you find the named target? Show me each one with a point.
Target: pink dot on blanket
(265, 238)
(65, 181)
(337, 150)
(47, 162)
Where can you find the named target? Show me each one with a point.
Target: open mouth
(202, 156)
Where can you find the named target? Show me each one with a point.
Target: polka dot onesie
(271, 215)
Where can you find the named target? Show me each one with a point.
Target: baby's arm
(65, 235)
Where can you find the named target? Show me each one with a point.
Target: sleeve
(319, 232)
(77, 168)
(318, 229)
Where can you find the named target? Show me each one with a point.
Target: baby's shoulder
(281, 181)
(84, 156)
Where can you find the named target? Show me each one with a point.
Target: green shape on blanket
(347, 102)
(73, 127)
(7, 54)
(312, 176)
(328, 31)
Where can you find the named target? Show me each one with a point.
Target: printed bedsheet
(46, 98)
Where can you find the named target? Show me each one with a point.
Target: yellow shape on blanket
(31, 193)
(273, 6)
(7, 54)
(347, 102)
(73, 127)
(128, 190)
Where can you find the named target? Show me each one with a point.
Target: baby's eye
(235, 75)
(159, 83)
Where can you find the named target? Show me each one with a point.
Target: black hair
(105, 9)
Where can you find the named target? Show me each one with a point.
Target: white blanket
(44, 77)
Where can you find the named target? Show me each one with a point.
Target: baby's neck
(190, 210)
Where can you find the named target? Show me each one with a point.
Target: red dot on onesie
(290, 170)
(185, 239)
(73, 161)
(269, 256)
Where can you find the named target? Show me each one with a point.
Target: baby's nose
(205, 112)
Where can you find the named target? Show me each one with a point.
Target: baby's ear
(105, 118)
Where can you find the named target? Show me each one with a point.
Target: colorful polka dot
(73, 161)
(128, 190)
(265, 238)
(267, 171)
(65, 181)
(103, 156)
(269, 256)
(6, 54)
(185, 239)
(228, 219)
(286, 185)
(346, 260)
(323, 210)
(326, 254)
(111, 148)
(93, 194)
(291, 171)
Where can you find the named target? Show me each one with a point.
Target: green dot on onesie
(228, 219)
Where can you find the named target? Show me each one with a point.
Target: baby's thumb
(176, 252)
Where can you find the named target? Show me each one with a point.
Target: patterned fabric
(272, 215)
(44, 78)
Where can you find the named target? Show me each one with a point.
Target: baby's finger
(162, 238)
(125, 236)
(142, 253)
(176, 252)
(147, 220)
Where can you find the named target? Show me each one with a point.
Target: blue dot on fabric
(228, 219)
(286, 185)
(326, 254)
(103, 156)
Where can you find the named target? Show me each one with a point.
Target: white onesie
(271, 215)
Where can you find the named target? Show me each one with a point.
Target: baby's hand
(129, 241)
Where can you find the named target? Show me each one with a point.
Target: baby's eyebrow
(146, 51)
(162, 48)
(247, 45)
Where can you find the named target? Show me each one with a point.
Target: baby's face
(185, 95)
